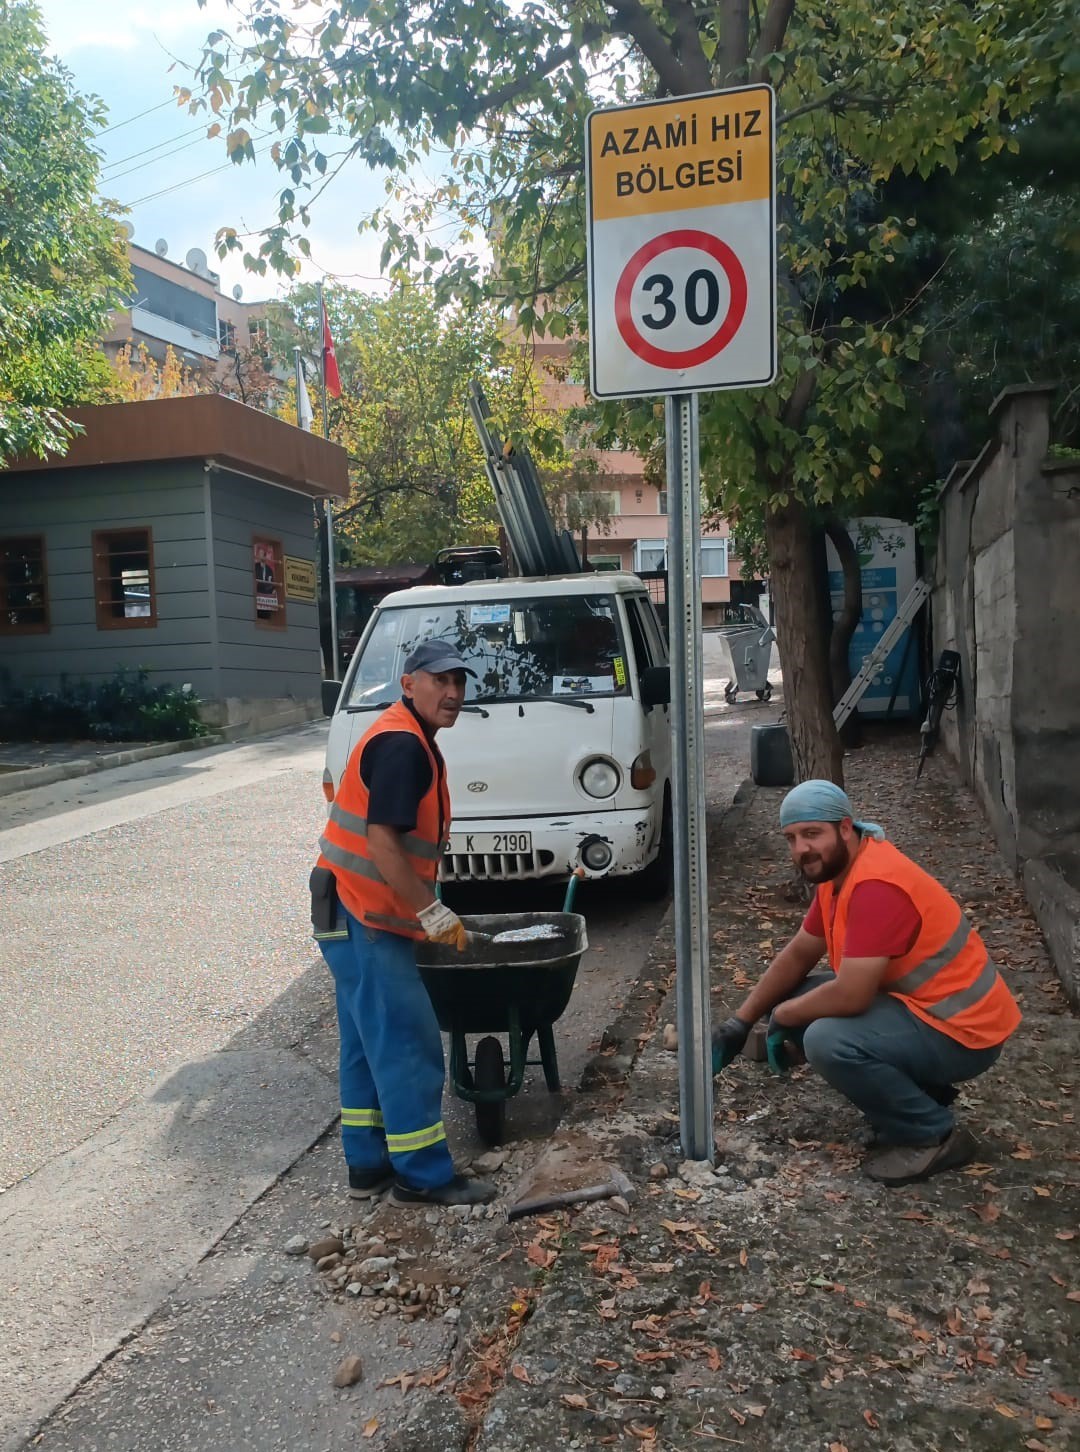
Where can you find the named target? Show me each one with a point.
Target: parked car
(562, 753)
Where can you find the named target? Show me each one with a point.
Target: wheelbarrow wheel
(765, 694)
(489, 1072)
(731, 691)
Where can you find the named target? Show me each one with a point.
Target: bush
(125, 708)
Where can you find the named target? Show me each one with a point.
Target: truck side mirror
(656, 686)
(331, 690)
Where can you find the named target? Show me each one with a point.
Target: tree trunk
(803, 654)
(844, 625)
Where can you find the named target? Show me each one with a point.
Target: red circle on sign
(688, 357)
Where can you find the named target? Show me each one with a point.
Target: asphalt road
(157, 913)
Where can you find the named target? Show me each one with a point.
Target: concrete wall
(1007, 597)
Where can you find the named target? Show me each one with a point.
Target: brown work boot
(907, 1164)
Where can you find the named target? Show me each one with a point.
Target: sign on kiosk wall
(682, 244)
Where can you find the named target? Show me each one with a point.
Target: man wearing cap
(384, 838)
(913, 1004)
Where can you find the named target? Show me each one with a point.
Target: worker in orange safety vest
(912, 1005)
(373, 898)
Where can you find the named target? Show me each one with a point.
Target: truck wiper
(564, 701)
(373, 706)
(478, 710)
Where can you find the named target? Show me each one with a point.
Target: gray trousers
(889, 1063)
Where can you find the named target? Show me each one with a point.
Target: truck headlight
(600, 778)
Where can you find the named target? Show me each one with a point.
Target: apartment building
(632, 533)
(181, 306)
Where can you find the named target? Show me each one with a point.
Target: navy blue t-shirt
(397, 773)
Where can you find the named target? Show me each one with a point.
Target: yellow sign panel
(671, 156)
(299, 578)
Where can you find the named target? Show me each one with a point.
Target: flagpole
(331, 571)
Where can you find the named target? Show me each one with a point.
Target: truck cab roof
(519, 588)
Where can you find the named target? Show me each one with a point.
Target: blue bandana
(823, 801)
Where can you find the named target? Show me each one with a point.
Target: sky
(158, 162)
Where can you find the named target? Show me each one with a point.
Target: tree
(417, 473)
(62, 257)
(867, 92)
(239, 373)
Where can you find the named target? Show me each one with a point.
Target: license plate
(488, 843)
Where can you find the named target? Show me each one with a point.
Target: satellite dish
(238, 292)
(127, 229)
(196, 260)
(161, 247)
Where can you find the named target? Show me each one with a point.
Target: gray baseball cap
(436, 656)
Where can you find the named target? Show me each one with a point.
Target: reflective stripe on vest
(946, 977)
(345, 845)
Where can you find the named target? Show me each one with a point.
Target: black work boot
(458, 1191)
(366, 1184)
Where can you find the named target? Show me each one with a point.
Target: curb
(37, 776)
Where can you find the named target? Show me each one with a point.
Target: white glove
(442, 925)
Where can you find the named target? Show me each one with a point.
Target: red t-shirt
(882, 921)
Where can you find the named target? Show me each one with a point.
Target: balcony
(187, 340)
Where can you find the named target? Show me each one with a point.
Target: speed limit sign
(682, 244)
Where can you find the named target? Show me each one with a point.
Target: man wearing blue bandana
(911, 1004)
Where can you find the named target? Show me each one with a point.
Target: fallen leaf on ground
(1065, 1234)
(606, 1365)
(678, 1227)
(977, 1288)
(1044, 1424)
(798, 1354)
(538, 1255)
(575, 1401)
(644, 1356)
(894, 1313)
(756, 1410)
(1063, 1399)
(1003, 1409)
(371, 1426)
(737, 1416)
(1021, 1152)
(870, 1420)
(1034, 1445)
(520, 1374)
(1041, 1191)
(987, 1213)
(838, 1447)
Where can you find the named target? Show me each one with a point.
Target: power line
(191, 180)
(137, 117)
(121, 160)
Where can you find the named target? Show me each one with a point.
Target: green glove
(778, 1035)
(728, 1041)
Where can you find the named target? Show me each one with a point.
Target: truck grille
(500, 866)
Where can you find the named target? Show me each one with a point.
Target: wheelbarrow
(517, 989)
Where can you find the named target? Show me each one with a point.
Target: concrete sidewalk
(780, 1302)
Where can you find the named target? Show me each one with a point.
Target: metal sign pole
(693, 1011)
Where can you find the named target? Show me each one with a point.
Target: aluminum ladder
(920, 592)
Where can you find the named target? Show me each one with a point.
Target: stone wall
(1007, 598)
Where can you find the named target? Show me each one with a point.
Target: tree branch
(731, 54)
(687, 41)
(656, 47)
(496, 100)
(799, 402)
(773, 30)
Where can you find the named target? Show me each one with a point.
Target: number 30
(662, 287)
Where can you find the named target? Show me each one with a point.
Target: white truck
(562, 754)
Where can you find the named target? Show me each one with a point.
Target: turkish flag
(330, 369)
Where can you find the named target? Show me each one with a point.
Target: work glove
(777, 1037)
(442, 925)
(728, 1041)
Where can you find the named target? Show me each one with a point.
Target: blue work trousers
(890, 1064)
(391, 1067)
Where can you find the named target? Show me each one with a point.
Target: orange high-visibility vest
(347, 851)
(946, 978)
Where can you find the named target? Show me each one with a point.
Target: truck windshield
(522, 649)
